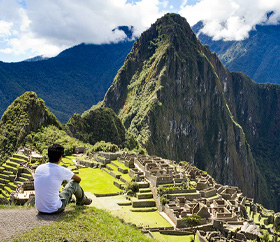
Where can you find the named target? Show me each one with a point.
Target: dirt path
(16, 221)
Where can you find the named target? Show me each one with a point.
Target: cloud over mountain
(231, 19)
(46, 27)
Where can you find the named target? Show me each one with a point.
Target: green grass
(97, 181)
(173, 238)
(69, 160)
(85, 224)
(119, 164)
(146, 219)
(126, 177)
(12, 206)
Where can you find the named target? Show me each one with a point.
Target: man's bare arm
(76, 178)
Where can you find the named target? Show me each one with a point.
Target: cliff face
(170, 94)
(26, 114)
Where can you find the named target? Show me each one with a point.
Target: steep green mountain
(28, 122)
(179, 101)
(26, 114)
(71, 82)
(100, 124)
(257, 56)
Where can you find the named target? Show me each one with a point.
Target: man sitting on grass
(47, 182)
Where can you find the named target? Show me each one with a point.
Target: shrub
(192, 220)
(133, 187)
(103, 146)
(164, 200)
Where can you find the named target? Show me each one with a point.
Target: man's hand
(76, 178)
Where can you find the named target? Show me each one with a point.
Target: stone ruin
(221, 208)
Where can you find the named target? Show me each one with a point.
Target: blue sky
(46, 27)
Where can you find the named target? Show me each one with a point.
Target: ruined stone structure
(190, 191)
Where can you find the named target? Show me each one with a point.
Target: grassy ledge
(85, 224)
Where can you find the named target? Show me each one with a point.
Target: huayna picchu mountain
(179, 101)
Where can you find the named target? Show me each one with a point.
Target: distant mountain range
(257, 56)
(71, 82)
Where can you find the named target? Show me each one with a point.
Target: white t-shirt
(47, 182)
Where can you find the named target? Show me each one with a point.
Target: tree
(191, 221)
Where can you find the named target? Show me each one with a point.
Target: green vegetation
(26, 114)
(174, 238)
(103, 146)
(95, 125)
(49, 135)
(97, 181)
(192, 220)
(85, 224)
(100, 124)
(132, 188)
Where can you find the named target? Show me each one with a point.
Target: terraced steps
(22, 179)
(5, 194)
(6, 177)
(21, 157)
(12, 185)
(10, 168)
(26, 175)
(146, 195)
(143, 185)
(119, 184)
(17, 160)
(12, 163)
(143, 190)
(9, 173)
(4, 181)
(128, 203)
(143, 203)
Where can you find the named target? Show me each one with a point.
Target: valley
(188, 138)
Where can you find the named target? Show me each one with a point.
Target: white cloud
(74, 21)
(231, 19)
(46, 27)
(5, 28)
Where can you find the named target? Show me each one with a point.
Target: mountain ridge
(256, 56)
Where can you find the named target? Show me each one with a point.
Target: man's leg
(72, 187)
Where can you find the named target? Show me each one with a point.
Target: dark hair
(55, 151)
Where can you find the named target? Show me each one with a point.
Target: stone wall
(208, 193)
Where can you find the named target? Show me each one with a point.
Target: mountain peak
(169, 94)
(26, 114)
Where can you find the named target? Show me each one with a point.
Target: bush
(133, 187)
(103, 146)
(164, 200)
(192, 220)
